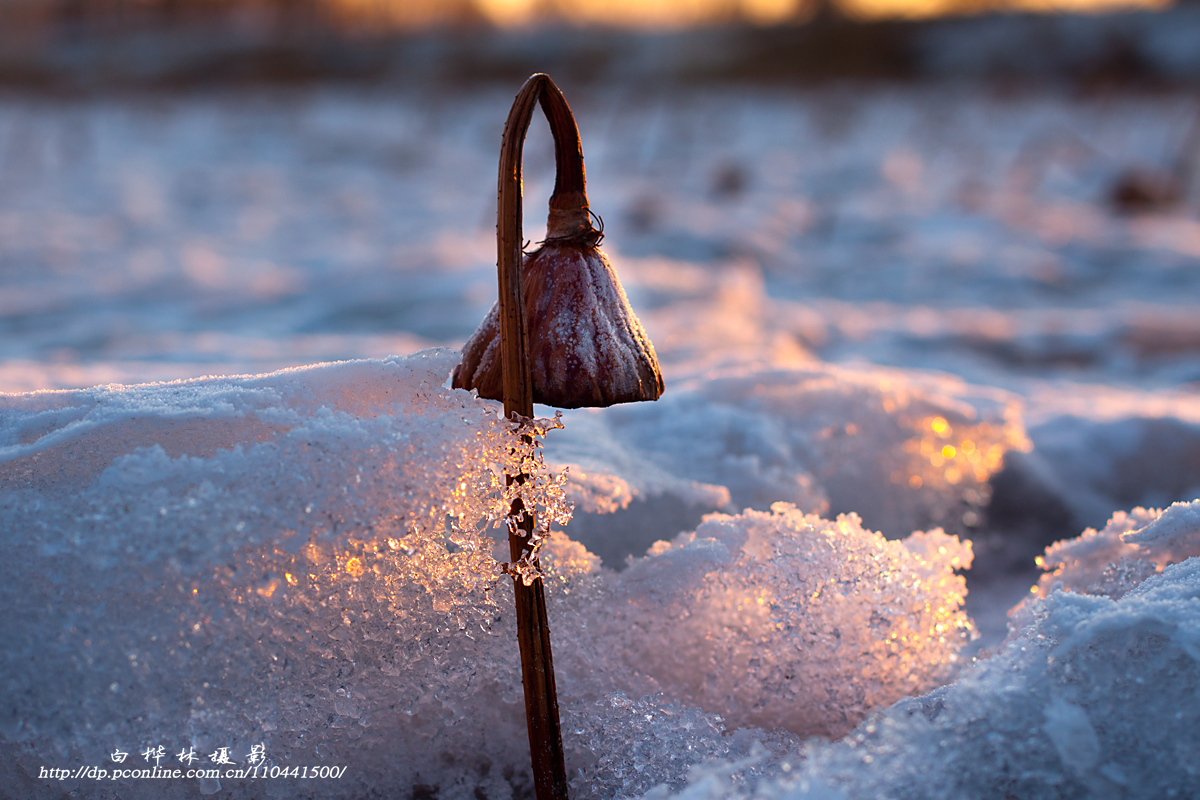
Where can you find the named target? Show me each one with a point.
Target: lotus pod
(583, 346)
(586, 346)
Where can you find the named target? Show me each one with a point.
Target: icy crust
(906, 452)
(297, 560)
(1094, 699)
(183, 474)
(782, 620)
(1133, 546)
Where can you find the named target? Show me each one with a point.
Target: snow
(784, 620)
(904, 452)
(1130, 548)
(301, 559)
(844, 288)
(274, 529)
(1094, 698)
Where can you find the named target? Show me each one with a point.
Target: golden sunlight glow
(918, 9)
(508, 13)
(670, 13)
(955, 463)
(768, 12)
(1086, 6)
(269, 589)
(410, 14)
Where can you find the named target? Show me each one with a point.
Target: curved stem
(533, 627)
(569, 216)
(569, 220)
(517, 380)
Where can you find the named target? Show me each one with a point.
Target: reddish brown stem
(569, 217)
(533, 628)
(517, 381)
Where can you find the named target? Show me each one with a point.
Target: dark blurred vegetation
(98, 43)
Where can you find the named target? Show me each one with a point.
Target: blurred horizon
(87, 44)
(389, 16)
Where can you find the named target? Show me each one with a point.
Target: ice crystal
(777, 619)
(531, 488)
(1133, 546)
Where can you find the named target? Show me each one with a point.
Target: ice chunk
(777, 619)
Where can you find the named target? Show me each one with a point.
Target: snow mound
(302, 560)
(295, 559)
(1093, 699)
(1133, 546)
(780, 619)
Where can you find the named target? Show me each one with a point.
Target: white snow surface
(301, 560)
(1095, 697)
(840, 283)
(1130, 548)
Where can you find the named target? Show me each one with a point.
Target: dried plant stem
(533, 629)
(569, 215)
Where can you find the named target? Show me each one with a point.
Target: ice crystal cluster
(539, 491)
(305, 560)
(780, 619)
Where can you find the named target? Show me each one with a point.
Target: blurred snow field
(903, 332)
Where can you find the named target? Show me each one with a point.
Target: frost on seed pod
(586, 346)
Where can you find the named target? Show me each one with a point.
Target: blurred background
(93, 42)
(1003, 191)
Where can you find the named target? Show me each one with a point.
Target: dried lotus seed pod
(584, 345)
